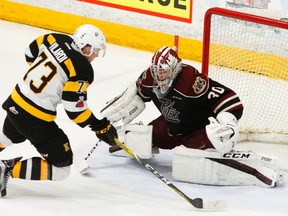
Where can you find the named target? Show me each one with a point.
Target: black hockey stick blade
(198, 203)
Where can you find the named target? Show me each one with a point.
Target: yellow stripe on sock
(16, 170)
(44, 170)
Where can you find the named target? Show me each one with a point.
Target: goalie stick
(198, 203)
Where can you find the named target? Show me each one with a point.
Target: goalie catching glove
(105, 131)
(223, 132)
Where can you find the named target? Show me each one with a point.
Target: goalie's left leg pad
(234, 168)
(136, 137)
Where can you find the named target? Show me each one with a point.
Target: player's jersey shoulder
(191, 83)
(73, 64)
(76, 66)
(145, 79)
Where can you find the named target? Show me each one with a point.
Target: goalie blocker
(125, 107)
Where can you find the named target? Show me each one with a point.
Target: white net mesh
(251, 58)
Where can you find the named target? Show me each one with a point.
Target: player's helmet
(164, 68)
(89, 35)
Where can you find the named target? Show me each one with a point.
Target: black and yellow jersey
(57, 74)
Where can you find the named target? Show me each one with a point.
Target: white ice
(116, 186)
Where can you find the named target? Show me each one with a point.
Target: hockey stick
(198, 203)
(84, 168)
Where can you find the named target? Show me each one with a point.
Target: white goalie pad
(233, 168)
(125, 107)
(138, 138)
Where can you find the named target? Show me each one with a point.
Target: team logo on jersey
(13, 110)
(80, 102)
(199, 85)
(169, 112)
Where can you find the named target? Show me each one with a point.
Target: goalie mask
(164, 68)
(89, 35)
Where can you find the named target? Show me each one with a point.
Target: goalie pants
(161, 138)
(49, 140)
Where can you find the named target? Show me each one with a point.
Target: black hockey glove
(105, 131)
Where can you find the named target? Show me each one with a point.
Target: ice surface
(116, 186)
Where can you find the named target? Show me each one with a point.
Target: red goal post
(249, 54)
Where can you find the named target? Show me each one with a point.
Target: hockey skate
(6, 167)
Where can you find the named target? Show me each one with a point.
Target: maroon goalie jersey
(192, 99)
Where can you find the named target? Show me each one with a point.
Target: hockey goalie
(198, 122)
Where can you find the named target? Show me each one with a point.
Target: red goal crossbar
(231, 14)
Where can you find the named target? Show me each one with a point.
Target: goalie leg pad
(138, 138)
(234, 168)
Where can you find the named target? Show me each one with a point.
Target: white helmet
(89, 35)
(164, 68)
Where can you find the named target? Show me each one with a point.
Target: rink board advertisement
(57, 20)
(178, 10)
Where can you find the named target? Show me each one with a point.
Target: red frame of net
(231, 14)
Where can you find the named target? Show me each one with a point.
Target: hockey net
(249, 54)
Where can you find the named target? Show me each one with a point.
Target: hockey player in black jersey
(60, 72)
(198, 120)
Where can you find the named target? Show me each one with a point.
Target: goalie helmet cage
(248, 53)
